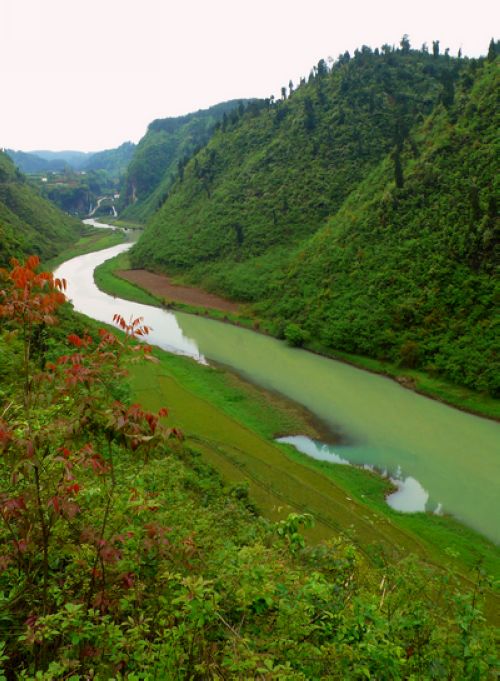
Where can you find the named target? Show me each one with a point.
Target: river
(444, 459)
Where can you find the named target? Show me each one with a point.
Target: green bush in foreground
(124, 556)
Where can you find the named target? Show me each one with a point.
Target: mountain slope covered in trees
(361, 210)
(29, 224)
(162, 153)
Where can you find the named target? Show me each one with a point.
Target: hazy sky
(91, 74)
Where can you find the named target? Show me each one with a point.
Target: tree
(405, 44)
(493, 50)
(322, 68)
(309, 116)
(398, 168)
(435, 48)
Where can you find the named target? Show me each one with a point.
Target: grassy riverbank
(434, 387)
(233, 424)
(92, 240)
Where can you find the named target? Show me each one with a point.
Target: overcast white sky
(91, 74)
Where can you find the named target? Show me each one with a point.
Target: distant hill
(75, 159)
(166, 147)
(29, 224)
(361, 208)
(114, 161)
(30, 163)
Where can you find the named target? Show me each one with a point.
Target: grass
(96, 240)
(128, 224)
(233, 424)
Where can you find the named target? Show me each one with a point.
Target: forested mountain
(29, 224)
(162, 153)
(360, 209)
(114, 161)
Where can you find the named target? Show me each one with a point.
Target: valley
(249, 375)
(371, 421)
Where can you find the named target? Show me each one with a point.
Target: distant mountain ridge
(115, 161)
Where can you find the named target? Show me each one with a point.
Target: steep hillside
(388, 159)
(274, 177)
(164, 149)
(407, 274)
(29, 224)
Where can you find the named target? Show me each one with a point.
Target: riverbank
(114, 277)
(90, 241)
(230, 430)
(232, 425)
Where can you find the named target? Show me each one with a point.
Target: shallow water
(447, 459)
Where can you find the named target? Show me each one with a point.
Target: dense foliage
(123, 556)
(161, 155)
(113, 161)
(28, 222)
(361, 208)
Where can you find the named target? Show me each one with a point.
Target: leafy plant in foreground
(58, 438)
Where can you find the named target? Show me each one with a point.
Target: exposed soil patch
(161, 286)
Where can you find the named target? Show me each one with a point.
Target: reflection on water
(313, 448)
(410, 496)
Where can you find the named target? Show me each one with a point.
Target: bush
(295, 335)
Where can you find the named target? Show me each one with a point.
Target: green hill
(29, 224)
(165, 148)
(30, 163)
(361, 210)
(114, 161)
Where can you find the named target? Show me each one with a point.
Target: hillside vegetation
(28, 222)
(356, 214)
(123, 555)
(162, 153)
